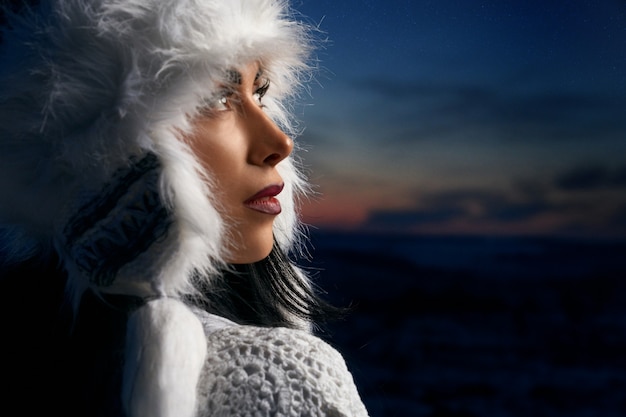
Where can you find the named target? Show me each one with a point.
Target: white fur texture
(166, 349)
(85, 84)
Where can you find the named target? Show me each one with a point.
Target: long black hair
(270, 292)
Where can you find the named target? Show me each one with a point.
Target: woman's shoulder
(281, 344)
(277, 371)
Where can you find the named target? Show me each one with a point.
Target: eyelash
(260, 92)
(222, 102)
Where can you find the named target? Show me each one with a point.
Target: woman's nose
(268, 143)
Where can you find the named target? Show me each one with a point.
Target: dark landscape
(479, 326)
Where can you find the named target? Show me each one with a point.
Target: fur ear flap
(165, 353)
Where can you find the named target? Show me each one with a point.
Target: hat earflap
(165, 352)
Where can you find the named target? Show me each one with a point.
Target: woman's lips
(265, 201)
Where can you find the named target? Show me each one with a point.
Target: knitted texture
(254, 371)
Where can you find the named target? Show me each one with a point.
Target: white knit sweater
(256, 371)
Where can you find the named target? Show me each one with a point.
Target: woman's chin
(251, 251)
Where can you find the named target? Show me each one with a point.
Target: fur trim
(90, 84)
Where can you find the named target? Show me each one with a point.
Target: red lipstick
(265, 201)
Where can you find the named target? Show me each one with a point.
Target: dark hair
(268, 293)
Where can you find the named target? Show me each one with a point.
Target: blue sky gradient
(481, 117)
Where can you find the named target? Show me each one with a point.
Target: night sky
(465, 116)
(481, 117)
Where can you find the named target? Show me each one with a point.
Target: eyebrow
(235, 77)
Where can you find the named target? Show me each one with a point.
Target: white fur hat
(93, 94)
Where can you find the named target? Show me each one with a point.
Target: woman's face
(239, 146)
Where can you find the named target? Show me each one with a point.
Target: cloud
(591, 178)
(429, 110)
(583, 200)
(619, 217)
(467, 204)
(396, 220)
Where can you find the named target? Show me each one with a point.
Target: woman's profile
(149, 214)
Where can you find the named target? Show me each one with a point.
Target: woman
(146, 162)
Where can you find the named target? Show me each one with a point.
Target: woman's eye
(218, 103)
(260, 92)
(227, 99)
(222, 103)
